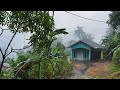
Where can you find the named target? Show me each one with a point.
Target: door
(80, 55)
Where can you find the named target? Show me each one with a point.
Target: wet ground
(79, 71)
(78, 74)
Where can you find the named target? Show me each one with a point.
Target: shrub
(51, 69)
(54, 68)
(22, 57)
(115, 75)
(5, 74)
(15, 64)
(114, 68)
(116, 57)
(11, 62)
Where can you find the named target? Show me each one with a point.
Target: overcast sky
(70, 22)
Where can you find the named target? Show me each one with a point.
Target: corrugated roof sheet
(90, 43)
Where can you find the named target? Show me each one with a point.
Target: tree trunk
(2, 63)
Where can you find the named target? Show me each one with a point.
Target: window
(74, 54)
(85, 54)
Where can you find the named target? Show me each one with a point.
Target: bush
(52, 69)
(116, 57)
(11, 62)
(115, 75)
(5, 74)
(115, 66)
(22, 57)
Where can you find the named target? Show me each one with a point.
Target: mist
(64, 20)
(70, 22)
(18, 42)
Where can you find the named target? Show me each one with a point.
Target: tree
(114, 19)
(82, 35)
(70, 42)
(79, 33)
(112, 42)
(112, 38)
(89, 36)
(108, 41)
(39, 23)
(57, 48)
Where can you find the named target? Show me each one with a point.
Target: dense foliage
(114, 19)
(112, 43)
(116, 56)
(39, 23)
(44, 57)
(112, 38)
(33, 65)
(54, 68)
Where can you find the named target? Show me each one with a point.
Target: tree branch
(112, 50)
(1, 51)
(22, 48)
(20, 68)
(7, 29)
(4, 55)
(9, 52)
(2, 31)
(11, 40)
(13, 50)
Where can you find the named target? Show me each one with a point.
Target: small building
(86, 50)
(5, 65)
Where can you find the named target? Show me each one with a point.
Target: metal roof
(90, 43)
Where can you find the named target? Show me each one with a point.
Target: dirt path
(79, 75)
(79, 71)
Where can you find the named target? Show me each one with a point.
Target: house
(86, 50)
(5, 65)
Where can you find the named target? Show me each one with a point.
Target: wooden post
(101, 55)
(89, 54)
(71, 54)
